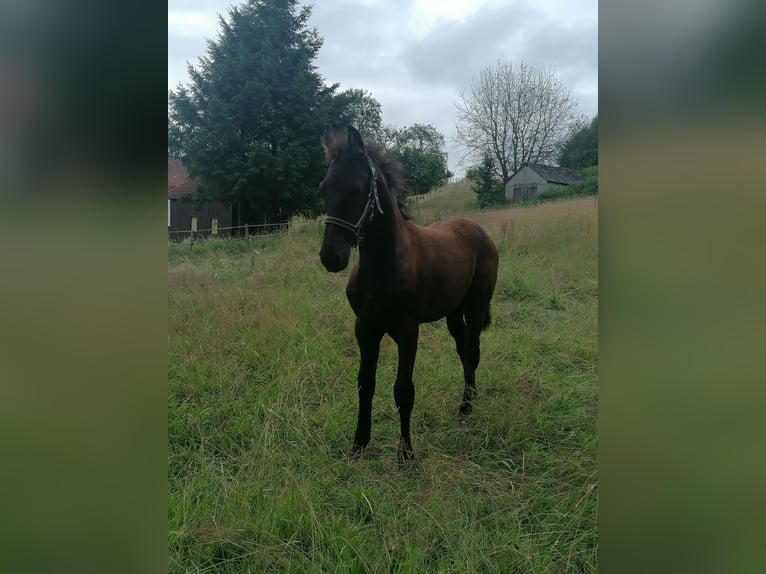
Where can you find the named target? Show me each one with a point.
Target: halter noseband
(368, 213)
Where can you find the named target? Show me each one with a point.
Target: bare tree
(517, 114)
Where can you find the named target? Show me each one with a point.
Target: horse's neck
(378, 250)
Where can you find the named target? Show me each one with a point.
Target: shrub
(587, 186)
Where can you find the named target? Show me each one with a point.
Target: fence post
(191, 242)
(247, 235)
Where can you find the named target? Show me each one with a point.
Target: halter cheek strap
(368, 213)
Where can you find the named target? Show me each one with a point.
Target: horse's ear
(355, 139)
(329, 139)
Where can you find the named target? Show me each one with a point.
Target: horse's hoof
(406, 459)
(356, 452)
(405, 453)
(466, 410)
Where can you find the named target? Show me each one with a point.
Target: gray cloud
(452, 53)
(361, 44)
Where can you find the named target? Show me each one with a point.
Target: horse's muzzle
(333, 261)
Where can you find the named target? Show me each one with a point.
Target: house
(184, 214)
(533, 178)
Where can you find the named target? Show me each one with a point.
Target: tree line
(248, 123)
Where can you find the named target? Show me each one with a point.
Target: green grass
(449, 199)
(262, 408)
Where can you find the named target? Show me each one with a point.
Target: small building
(184, 214)
(533, 178)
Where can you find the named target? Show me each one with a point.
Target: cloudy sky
(415, 56)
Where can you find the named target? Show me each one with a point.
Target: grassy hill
(452, 198)
(262, 407)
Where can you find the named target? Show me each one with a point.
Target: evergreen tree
(249, 123)
(489, 192)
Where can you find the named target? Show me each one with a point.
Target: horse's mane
(383, 158)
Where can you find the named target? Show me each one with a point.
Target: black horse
(406, 274)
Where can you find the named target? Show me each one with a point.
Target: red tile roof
(179, 182)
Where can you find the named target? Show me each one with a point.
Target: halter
(368, 213)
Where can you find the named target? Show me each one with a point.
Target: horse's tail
(487, 319)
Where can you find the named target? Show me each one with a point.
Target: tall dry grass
(262, 406)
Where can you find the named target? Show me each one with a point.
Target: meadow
(262, 406)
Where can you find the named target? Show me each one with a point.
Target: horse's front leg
(369, 347)
(404, 390)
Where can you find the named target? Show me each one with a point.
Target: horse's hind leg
(467, 345)
(475, 321)
(406, 337)
(456, 326)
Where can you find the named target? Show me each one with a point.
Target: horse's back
(464, 234)
(457, 256)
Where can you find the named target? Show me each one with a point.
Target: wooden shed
(534, 178)
(184, 214)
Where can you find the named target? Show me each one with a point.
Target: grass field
(262, 408)
(451, 199)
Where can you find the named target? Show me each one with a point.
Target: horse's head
(349, 190)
